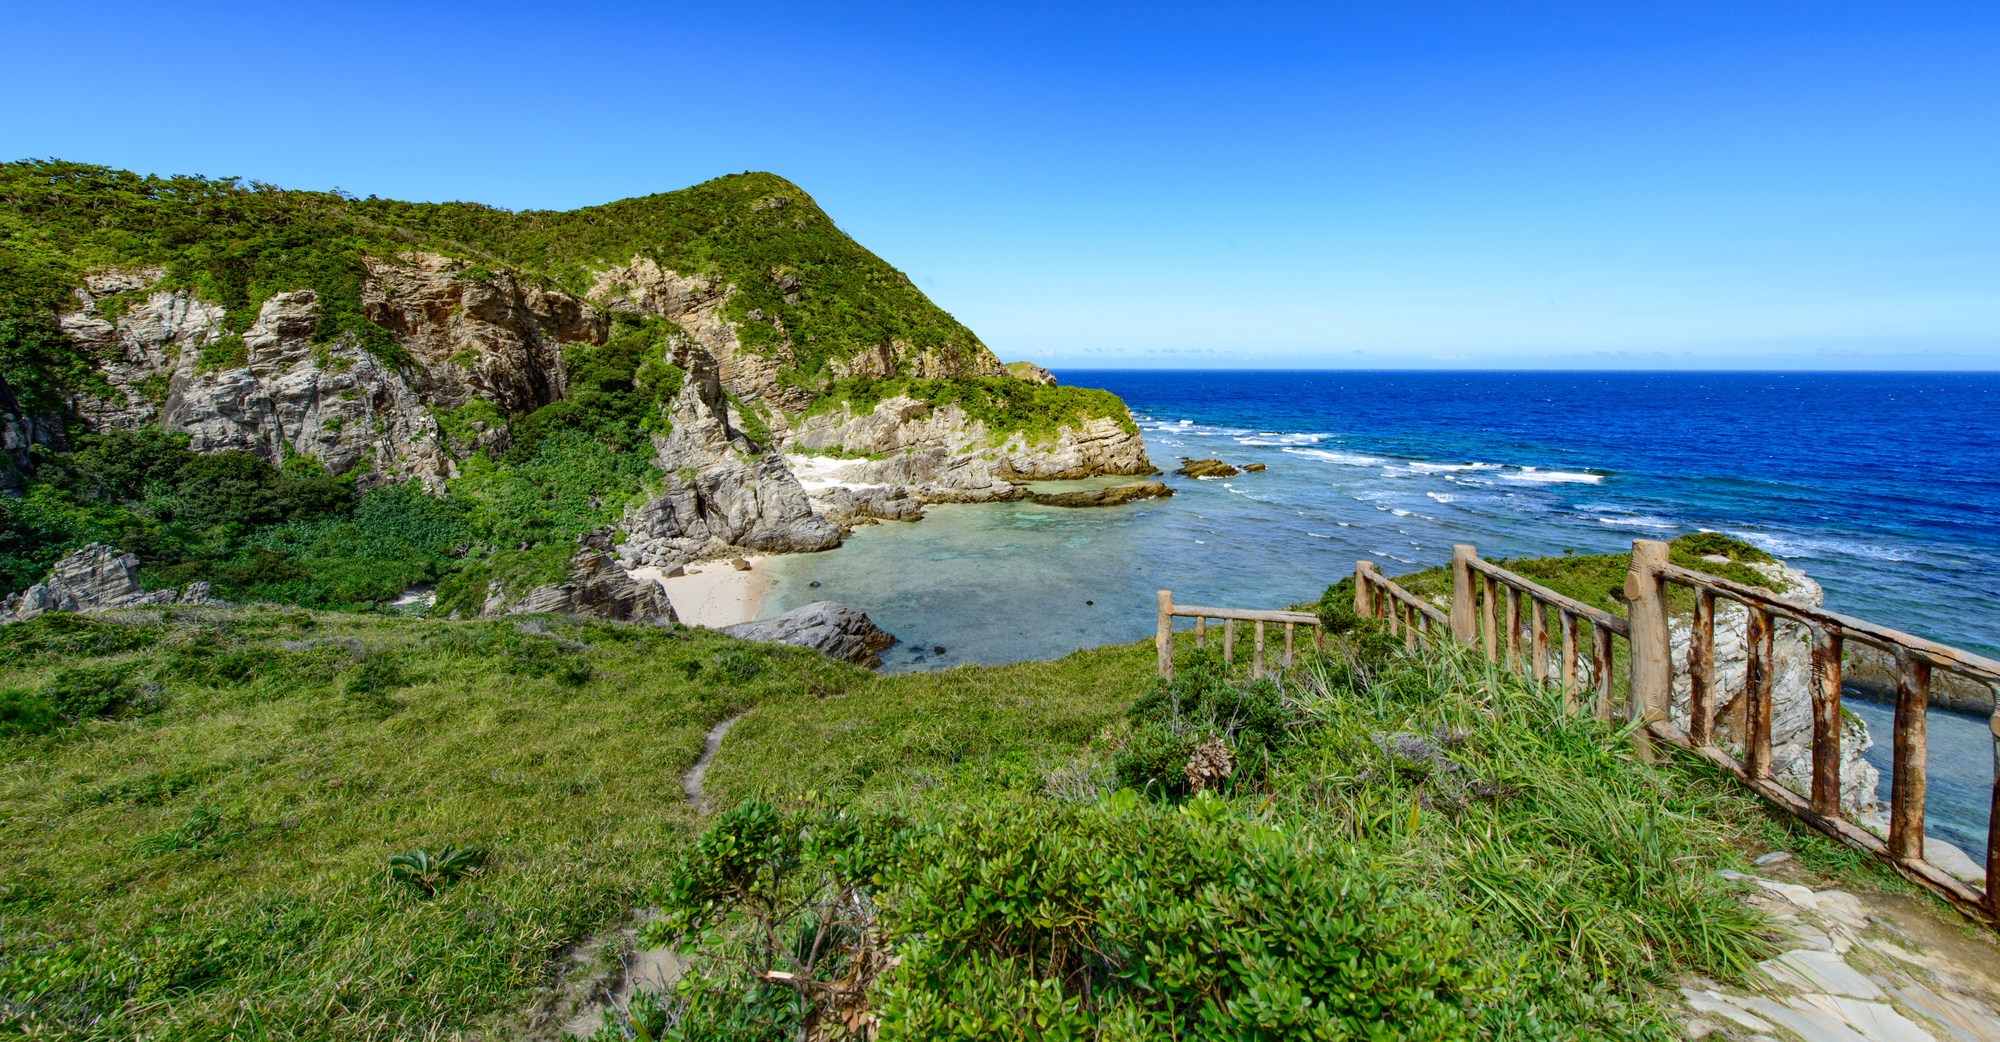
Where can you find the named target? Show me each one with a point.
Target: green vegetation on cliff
(207, 801)
(1004, 404)
(297, 535)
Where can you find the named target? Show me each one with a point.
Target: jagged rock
(1103, 497)
(739, 564)
(943, 456)
(830, 628)
(1030, 372)
(19, 434)
(1206, 468)
(497, 340)
(1253, 468)
(719, 495)
(91, 579)
(599, 589)
(1791, 693)
(851, 505)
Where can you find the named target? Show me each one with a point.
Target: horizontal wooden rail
(1596, 616)
(1290, 620)
(1302, 618)
(1940, 656)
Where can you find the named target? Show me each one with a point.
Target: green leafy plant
(428, 873)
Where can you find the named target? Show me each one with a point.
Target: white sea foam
(1399, 512)
(1639, 522)
(1552, 477)
(1442, 497)
(1441, 468)
(1787, 545)
(1342, 458)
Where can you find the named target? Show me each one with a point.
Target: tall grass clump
(1383, 845)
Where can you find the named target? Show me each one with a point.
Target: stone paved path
(1857, 968)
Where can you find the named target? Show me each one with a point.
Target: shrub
(25, 712)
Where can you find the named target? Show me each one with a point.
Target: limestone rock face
(599, 589)
(496, 340)
(18, 434)
(1791, 693)
(720, 493)
(832, 629)
(943, 456)
(92, 578)
(848, 506)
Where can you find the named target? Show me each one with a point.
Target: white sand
(713, 594)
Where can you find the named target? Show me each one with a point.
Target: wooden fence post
(1993, 818)
(1827, 642)
(1165, 638)
(1651, 690)
(1908, 771)
(1364, 598)
(1464, 609)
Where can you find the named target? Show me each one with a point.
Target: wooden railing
(1230, 617)
(1509, 617)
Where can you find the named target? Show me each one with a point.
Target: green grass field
(201, 848)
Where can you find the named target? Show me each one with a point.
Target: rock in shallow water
(1103, 497)
(830, 628)
(1206, 468)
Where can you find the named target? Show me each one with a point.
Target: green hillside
(237, 242)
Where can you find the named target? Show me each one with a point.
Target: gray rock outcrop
(94, 578)
(1791, 693)
(832, 629)
(940, 455)
(721, 494)
(169, 361)
(848, 506)
(1104, 497)
(599, 589)
(1030, 372)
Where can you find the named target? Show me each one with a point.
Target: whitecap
(1553, 477)
(1399, 512)
(1341, 458)
(1639, 521)
(1442, 497)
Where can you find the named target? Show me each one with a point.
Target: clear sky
(1806, 185)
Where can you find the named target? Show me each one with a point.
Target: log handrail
(1169, 611)
(1940, 656)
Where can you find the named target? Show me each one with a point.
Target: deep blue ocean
(1885, 487)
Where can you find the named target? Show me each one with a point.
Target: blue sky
(1690, 185)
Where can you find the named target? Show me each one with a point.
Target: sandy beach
(713, 594)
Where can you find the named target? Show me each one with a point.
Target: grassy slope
(306, 781)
